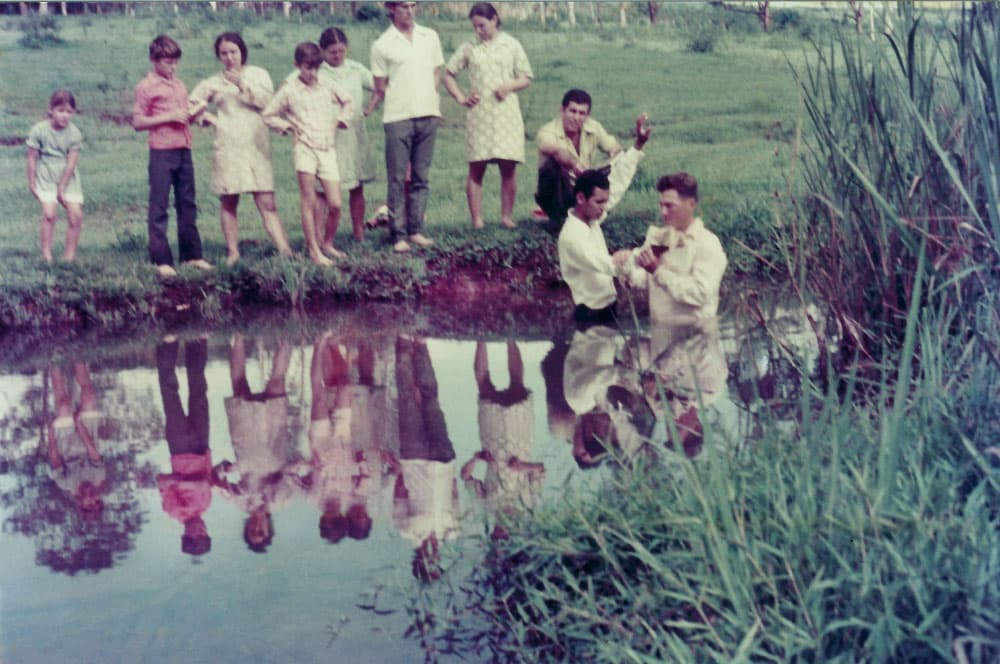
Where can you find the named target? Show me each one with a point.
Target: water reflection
(356, 459)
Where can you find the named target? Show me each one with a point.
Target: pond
(274, 493)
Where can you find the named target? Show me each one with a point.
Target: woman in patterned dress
(241, 154)
(494, 130)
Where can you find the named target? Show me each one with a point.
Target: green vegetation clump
(39, 31)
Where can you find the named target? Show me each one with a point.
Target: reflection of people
(241, 154)
(603, 392)
(559, 414)
(681, 263)
(303, 107)
(567, 146)
(76, 463)
(425, 497)
(494, 130)
(186, 491)
(506, 428)
(258, 427)
(340, 477)
(406, 61)
(689, 373)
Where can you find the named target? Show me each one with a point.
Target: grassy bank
(726, 115)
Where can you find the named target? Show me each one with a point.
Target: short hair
(308, 54)
(62, 97)
(484, 10)
(163, 46)
(359, 524)
(590, 180)
(683, 183)
(332, 36)
(332, 526)
(201, 544)
(578, 96)
(232, 38)
(259, 547)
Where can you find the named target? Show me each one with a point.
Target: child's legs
(228, 204)
(188, 238)
(272, 222)
(74, 221)
(331, 191)
(238, 366)
(161, 167)
(307, 203)
(60, 392)
(50, 212)
(356, 201)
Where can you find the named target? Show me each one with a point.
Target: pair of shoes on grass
(166, 271)
(402, 246)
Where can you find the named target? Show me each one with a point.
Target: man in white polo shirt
(406, 61)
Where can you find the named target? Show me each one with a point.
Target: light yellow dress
(241, 153)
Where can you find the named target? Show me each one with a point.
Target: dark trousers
(554, 194)
(422, 430)
(585, 317)
(186, 434)
(172, 168)
(408, 143)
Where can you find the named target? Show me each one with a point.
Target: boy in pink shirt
(161, 108)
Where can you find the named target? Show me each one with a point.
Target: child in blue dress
(53, 151)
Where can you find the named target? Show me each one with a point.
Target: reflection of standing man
(406, 61)
(186, 491)
(425, 498)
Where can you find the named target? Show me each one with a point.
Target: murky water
(273, 496)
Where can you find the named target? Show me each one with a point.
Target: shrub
(368, 12)
(39, 31)
(703, 42)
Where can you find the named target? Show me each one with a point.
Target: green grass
(725, 117)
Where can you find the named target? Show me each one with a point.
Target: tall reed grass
(904, 159)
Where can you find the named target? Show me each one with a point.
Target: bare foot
(508, 223)
(332, 251)
(321, 260)
(231, 259)
(477, 224)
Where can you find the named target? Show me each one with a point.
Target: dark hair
(332, 36)
(259, 547)
(332, 526)
(163, 46)
(683, 183)
(232, 38)
(195, 546)
(578, 96)
(308, 54)
(594, 429)
(359, 524)
(484, 10)
(590, 180)
(60, 97)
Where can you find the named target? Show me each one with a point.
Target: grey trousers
(408, 143)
